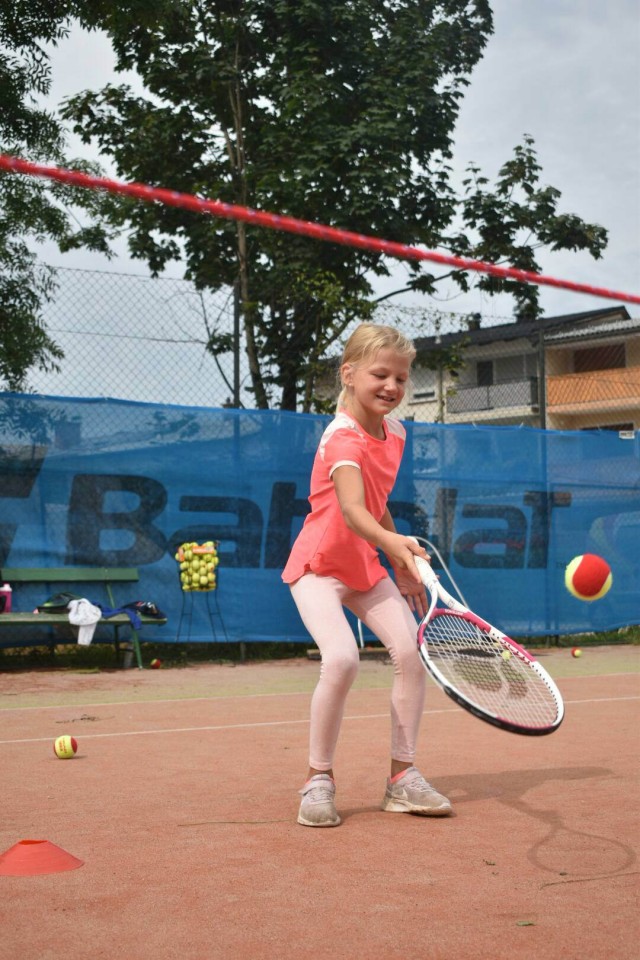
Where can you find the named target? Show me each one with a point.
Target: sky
(566, 72)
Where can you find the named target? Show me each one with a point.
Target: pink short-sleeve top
(325, 545)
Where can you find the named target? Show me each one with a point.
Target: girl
(334, 564)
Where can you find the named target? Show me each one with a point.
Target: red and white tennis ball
(588, 577)
(65, 747)
(576, 652)
(155, 664)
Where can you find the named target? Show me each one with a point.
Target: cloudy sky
(567, 72)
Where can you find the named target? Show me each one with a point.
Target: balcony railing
(497, 396)
(618, 388)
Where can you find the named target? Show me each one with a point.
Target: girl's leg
(387, 614)
(319, 602)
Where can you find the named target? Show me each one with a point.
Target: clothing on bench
(55, 610)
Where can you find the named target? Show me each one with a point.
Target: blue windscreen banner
(111, 483)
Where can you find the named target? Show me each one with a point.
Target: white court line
(222, 726)
(602, 700)
(271, 723)
(127, 703)
(247, 696)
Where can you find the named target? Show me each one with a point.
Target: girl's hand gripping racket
(483, 670)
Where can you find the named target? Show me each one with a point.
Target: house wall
(596, 398)
(604, 398)
(514, 365)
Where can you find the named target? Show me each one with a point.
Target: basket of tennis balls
(198, 563)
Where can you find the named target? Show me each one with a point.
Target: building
(573, 372)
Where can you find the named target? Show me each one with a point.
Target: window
(606, 357)
(423, 385)
(484, 373)
(617, 427)
(518, 366)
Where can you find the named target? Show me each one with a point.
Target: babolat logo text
(123, 519)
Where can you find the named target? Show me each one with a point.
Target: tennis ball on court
(576, 652)
(65, 747)
(155, 664)
(588, 577)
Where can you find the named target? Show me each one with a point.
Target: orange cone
(30, 857)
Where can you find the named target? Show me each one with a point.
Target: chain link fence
(511, 503)
(138, 338)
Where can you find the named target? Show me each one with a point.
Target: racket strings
(487, 674)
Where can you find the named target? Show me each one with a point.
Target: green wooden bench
(75, 579)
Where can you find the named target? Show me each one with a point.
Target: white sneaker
(318, 808)
(411, 793)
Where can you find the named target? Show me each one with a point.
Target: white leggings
(320, 602)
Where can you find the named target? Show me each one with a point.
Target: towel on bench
(84, 615)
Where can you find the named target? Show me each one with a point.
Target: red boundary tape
(317, 231)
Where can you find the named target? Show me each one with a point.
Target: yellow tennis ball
(576, 652)
(65, 747)
(588, 577)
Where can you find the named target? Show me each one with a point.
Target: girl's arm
(414, 593)
(399, 549)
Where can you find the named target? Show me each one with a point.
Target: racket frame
(457, 609)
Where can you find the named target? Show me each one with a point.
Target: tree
(507, 224)
(334, 110)
(517, 218)
(338, 111)
(31, 210)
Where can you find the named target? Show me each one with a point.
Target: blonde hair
(365, 342)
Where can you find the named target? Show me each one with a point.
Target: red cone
(30, 857)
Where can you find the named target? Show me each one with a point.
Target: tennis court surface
(182, 804)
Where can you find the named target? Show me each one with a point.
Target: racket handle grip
(423, 567)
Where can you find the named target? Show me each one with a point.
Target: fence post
(542, 381)
(236, 344)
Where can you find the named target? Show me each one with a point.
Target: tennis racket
(482, 669)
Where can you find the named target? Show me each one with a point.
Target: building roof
(611, 319)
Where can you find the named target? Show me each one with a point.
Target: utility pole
(542, 381)
(236, 344)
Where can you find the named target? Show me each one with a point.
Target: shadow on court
(563, 850)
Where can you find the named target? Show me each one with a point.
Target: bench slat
(69, 574)
(46, 619)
